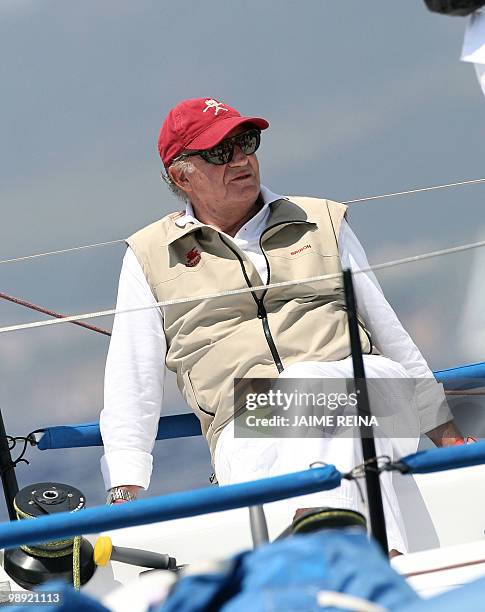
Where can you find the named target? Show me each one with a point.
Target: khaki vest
(213, 341)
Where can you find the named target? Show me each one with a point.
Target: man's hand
(133, 489)
(447, 434)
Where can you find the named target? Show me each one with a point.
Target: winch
(70, 559)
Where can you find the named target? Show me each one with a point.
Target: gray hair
(184, 165)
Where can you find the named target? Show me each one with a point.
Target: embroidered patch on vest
(307, 246)
(193, 258)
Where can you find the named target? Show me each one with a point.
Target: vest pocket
(191, 397)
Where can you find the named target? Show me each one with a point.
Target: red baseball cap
(199, 124)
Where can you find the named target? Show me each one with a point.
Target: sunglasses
(223, 152)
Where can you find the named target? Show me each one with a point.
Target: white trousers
(242, 459)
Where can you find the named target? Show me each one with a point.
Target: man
(458, 8)
(474, 45)
(236, 233)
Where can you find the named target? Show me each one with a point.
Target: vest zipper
(262, 313)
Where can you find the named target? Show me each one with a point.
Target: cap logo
(217, 106)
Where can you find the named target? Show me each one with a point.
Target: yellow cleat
(102, 550)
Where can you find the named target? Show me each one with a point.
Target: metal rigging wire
(60, 252)
(75, 319)
(221, 294)
(356, 201)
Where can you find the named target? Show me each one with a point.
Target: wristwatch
(119, 493)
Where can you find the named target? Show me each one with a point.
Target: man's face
(230, 187)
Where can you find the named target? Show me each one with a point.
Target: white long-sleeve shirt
(135, 366)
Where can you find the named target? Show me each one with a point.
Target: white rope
(367, 199)
(210, 296)
(410, 191)
(79, 248)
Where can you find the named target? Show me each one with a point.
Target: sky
(364, 98)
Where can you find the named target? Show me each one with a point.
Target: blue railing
(88, 434)
(211, 499)
(215, 499)
(462, 377)
(187, 425)
(168, 507)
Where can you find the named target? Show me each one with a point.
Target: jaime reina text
(313, 420)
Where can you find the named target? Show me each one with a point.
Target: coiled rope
(55, 549)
